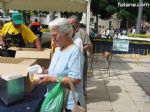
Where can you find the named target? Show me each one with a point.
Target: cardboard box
(19, 65)
(43, 57)
(23, 61)
(6, 68)
(33, 53)
(26, 57)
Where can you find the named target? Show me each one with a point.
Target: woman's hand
(45, 80)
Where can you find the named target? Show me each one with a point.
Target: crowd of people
(116, 33)
(70, 43)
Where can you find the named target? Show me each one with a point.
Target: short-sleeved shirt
(27, 34)
(83, 35)
(78, 42)
(68, 62)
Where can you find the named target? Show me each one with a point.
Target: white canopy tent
(49, 5)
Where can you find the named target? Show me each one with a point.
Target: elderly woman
(67, 61)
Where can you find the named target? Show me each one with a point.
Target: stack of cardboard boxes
(24, 58)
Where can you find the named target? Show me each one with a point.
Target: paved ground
(126, 90)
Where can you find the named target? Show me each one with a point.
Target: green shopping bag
(54, 100)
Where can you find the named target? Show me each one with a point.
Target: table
(102, 45)
(30, 103)
(135, 38)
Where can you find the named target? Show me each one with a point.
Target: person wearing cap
(17, 34)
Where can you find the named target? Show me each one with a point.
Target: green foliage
(139, 35)
(100, 7)
(124, 14)
(95, 6)
(105, 8)
(111, 9)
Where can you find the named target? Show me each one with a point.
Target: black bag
(5, 52)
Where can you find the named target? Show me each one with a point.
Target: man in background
(36, 28)
(80, 32)
(17, 34)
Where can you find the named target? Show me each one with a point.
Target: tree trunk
(127, 24)
(139, 19)
(96, 24)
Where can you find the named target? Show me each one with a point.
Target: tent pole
(88, 17)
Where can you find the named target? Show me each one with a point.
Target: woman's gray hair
(62, 25)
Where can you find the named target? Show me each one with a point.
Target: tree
(106, 8)
(139, 19)
(102, 9)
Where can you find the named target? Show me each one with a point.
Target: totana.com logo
(133, 4)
